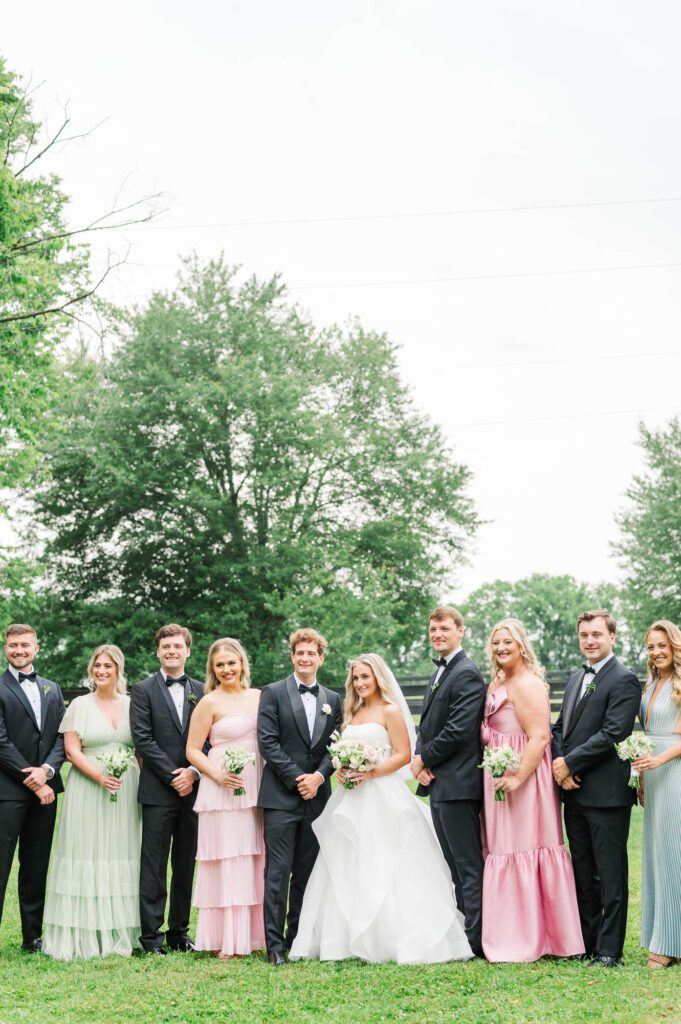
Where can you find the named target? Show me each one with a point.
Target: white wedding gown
(380, 888)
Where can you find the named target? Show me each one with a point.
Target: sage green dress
(661, 886)
(92, 902)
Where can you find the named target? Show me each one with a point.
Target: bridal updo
(382, 676)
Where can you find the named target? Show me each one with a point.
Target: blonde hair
(118, 658)
(230, 644)
(382, 676)
(519, 634)
(674, 636)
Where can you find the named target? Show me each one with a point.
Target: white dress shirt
(309, 703)
(176, 691)
(30, 688)
(441, 668)
(596, 668)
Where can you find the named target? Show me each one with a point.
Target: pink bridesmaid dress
(231, 850)
(529, 905)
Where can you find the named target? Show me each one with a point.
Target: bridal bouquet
(117, 763)
(353, 755)
(497, 761)
(234, 760)
(636, 745)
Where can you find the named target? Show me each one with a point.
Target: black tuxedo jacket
(587, 730)
(449, 733)
(22, 743)
(159, 738)
(288, 751)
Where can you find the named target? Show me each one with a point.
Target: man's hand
(425, 777)
(45, 795)
(35, 778)
(560, 770)
(417, 766)
(571, 782)
(309, 784)
(183, 781)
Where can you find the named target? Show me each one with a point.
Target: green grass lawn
(195, 988)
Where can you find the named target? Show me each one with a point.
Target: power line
(570, 359)
(413, 215)
(565, 416)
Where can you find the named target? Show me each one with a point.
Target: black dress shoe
(183, 946)
(156, 951)
(607, 961)
(276, 958)
(34, 946)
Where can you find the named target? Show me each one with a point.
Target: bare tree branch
(70, 302)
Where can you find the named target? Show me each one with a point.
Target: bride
(380, 888)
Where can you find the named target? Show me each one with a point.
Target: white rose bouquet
(353, 756)
(117, 763)
(234, 760)
(497, 761)
(635, 746)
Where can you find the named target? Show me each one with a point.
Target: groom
(295, 721)
(446, 765)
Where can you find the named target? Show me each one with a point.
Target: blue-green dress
(661, 887)
(92, 903)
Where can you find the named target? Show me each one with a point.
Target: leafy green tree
(235, 469)
(650, 543)
(548, 606)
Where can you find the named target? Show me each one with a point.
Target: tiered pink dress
(529, 905)
(231, 850)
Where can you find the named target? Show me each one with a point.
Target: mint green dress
(92, 901)
(660, 890)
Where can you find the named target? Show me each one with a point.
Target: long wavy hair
(519, 634)
(230, 644)
(118, 658)
(382, 676)
(674, 636)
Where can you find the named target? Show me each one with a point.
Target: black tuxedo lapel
(446, 671)
(320, 719)
(169, 701)
(571, 697)
(583, 701)
(298, 709)
(186, 707)
(20, 695)
(44, 694)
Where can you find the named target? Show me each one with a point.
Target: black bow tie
(314, 689)
(26, 675)
(588, 668)
(180, 679)
(439, 661)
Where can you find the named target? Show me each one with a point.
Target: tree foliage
(650, 543)
(238, 470)
(548, 606)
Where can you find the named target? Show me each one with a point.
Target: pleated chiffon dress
(92, 901)
(231, 849)
(661, 886)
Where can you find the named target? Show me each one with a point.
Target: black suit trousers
(598, 846)
(291, 850)
(162, 825)
(31, 825)
(457, 826)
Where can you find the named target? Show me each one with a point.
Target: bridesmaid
(92, 906)
(529, 905)
(231, 850)
(660, 793)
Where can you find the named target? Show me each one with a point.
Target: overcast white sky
(460, 112)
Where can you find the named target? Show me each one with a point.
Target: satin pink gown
(529, 905)
(231, 850)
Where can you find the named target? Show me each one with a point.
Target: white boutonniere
(191, 697)
(46, 690)
(326, 709)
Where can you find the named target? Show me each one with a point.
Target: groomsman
(599, 709)
(31, 755)
(160, 711)
(448, 755)
(295, 720)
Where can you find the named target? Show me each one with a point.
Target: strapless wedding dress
(380, 889)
